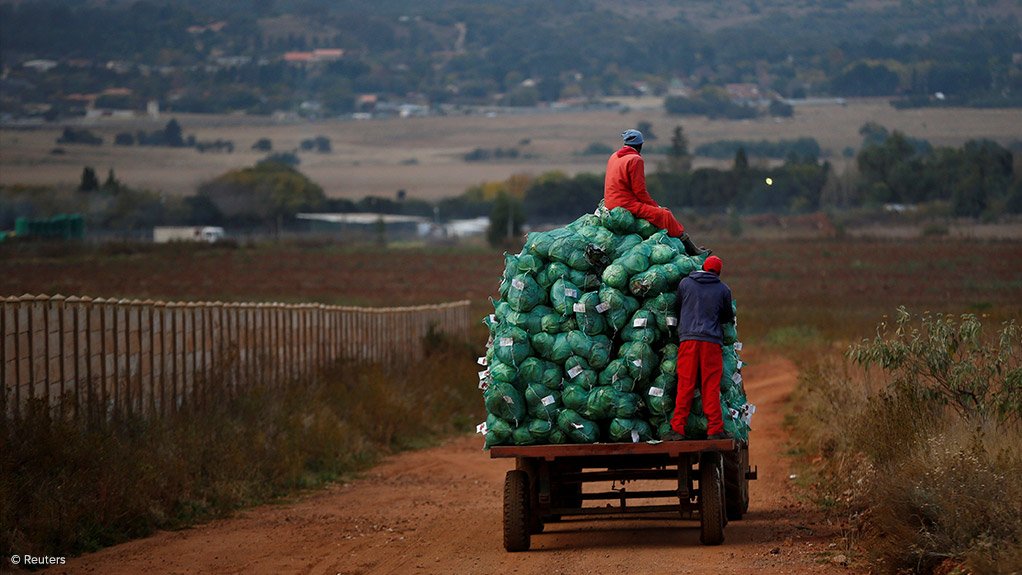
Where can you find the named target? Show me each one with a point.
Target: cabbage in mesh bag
(510, 271)
(588, 316)
(571, 250)
(531, 321)
(616, 276)
(625, 244)
(618, 220)
(550, 273)
(538, 371)
(641, 360)
(505, 402)
(642, 327)
(553, 347)
(626, 404)
(616, 375)
(630, 430)
(511, 346)
(660, 395)
(504, 373)
(532, 432)
(498, 431)
(542, 402)
(574, 397)
(564, 295)
(557, 323)
(600, 404)
(635, 260)
(594, 349)
(578, 372)
(661, 253)
(620, 307)
(577, 428)
(524, 293)
(649, 283)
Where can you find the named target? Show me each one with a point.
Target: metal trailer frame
(712, 483)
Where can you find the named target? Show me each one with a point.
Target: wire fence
(152, 357)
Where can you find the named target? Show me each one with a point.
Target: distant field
(424, 155)
(820, 288)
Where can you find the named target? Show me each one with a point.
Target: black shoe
(673, 436)
(724, 435)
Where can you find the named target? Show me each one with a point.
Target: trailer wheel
(736, 484)
(711, 500)
(516, 511)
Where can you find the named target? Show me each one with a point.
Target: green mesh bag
(600, 404)
(584, 220)
(642, 327)
(550, 273)
(564, 295)
(542, 402)
(623, 430)
(529, 264)
(505, 402)
(511, 346)
(687, 264)
(578, 372)
(498, 431)
(588, 281)
(616, 370)
(577, 428)
(553, 347)
(503, 373)
(616, 276)
(650, 283)
(625, 244)
(571, 250)
(641, 360)
(574, 397)
(661, 253)
(620, 307)
(598, 236)
(669, 360)
(645, 228)
(587, 314)
(635, 260)
(730, 333)
(531, 321)
(663, 308)
(618, 220)
(537, 371)
(673, 274)
(594, 349)
(557, 323)
(525, 293)
(557, 437)
(660, 395)
(627, 404)
(510, 271)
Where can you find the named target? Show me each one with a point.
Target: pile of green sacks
(583, 340)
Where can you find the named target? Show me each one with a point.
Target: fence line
(152, 357)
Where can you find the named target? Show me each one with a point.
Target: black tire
(711, 500)
(736, 484)
(516, 511)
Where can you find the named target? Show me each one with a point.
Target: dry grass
(66, 487)
(375, 157)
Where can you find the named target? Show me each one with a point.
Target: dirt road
(439, 511)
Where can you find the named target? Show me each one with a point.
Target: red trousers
(699, 363)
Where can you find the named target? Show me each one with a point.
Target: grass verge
(914, 439)
(68, 487)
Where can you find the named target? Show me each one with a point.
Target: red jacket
(625, 186)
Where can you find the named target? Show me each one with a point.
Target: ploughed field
(834, 288)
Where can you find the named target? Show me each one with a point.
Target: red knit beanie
(713, 264)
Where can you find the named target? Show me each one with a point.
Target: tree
(647, 131)
(268, 193)
(263, 145)
(111, 184)
(679, 160)
(90, 182)
(506, 219)
(172, 134)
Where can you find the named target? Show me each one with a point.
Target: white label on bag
(506, 342)
(738, 346)
(570, 292)
(579, 308)
(493, 317)
(656, 392)
(577, 425)
(602, 307)
(509, 400)
(637, 363)
(672, 321)
(484, 373)
(484, 384)
(482, 361)
(635, 436)
(741, 364)
(548, 400)
(517, 284)
(573, 372)
(481, 428)
(737, 378)
(733, 413)
(639, 322)
(747, 412)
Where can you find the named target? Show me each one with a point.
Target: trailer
(711, 477)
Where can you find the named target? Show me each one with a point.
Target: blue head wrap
(632, 137)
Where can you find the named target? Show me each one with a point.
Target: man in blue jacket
(704, 304)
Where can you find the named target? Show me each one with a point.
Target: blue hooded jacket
(704, 303)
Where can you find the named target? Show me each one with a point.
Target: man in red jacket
(625, 186)
(704, 304)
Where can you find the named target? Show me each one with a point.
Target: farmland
(424, 156)
(834, 288)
